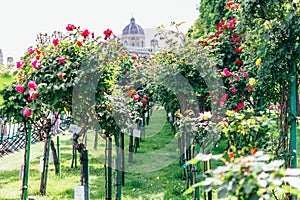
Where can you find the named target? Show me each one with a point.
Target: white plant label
(79, 192)
(136, 133)
(74, 129)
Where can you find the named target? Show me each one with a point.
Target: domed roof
(133, 28)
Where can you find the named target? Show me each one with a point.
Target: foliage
(272, 35)
(210, 13)
(251, 177)
(245, 132)
(69, 72)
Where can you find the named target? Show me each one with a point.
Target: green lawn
(164, 183)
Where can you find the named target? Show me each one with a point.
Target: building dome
(133, 35)
(133, 28)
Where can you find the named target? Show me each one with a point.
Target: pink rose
(20, 88)
(32, 85)
(31, 51)
(62, 59)
(55, 41)
(20, 64)
(27, 112)
(227, 72)
(233, 90)
(36, 64)
(237, 78)
(32, 94)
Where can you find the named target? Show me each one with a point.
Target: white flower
(205, 115)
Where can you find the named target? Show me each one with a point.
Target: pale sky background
(22, 20)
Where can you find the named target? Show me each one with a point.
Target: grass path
(164, 183)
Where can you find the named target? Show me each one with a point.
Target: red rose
(55, 41)
(136, 97)
(34, 96)
(70, 27)
(278, 106)
(60, 75)
(238, 62)
(238, 50)
(134, 57)
(240, 106)
(20, 64)
(85, 33)
(79, 43)
(107, 33)
(249, 88)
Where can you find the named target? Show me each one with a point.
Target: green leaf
(222, 193)
(188, 191)
(192, 162)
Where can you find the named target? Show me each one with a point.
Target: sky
(22, 20)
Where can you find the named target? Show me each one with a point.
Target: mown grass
(160, 182)
(155, 171)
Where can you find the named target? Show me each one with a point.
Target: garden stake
(293, 137)
(118, 167)
(26, 159)
(109, 170)
(85, 160)
(58, 155)
(122, 146)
